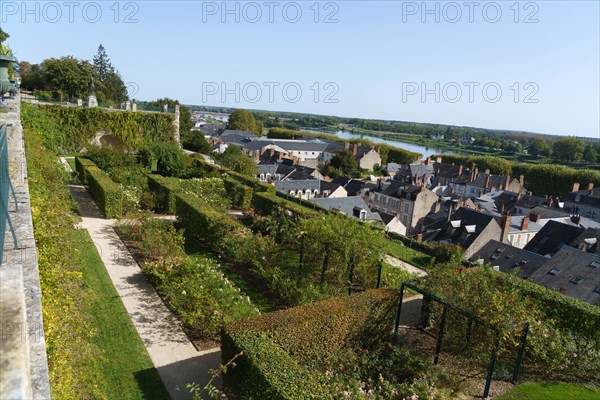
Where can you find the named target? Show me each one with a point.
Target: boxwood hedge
(107, 194)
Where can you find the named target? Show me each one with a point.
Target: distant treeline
(541, 179)
(388, 153)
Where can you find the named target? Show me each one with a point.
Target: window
(576, 280)
(292, 193)
(594, 265)
(406, 207)
(553, 271)
(597, 290)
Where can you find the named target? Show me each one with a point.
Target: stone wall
(23, 359)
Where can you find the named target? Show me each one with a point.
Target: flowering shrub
(155, 240)
(200, 294)
(209, 190)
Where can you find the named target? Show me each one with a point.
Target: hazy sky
(530, 66)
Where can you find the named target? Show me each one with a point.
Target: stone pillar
(133, 107)
(176, 124)
(92, 101)
(165, 108)
(128, 106)
(79, 102)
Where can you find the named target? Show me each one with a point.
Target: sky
(528, 66)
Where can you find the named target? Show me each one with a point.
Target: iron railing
(5, 185)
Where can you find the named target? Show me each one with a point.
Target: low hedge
(165, 191)
(239, 194)
(280, 347)
(107, 194)
(204, 223)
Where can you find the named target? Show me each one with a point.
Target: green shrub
(265, 203)
(166, 190)
(81, 165)
(240, 195)
(170, 159)
(279, 347)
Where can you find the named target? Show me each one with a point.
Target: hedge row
(203, 222)
(165, 190)
(107, 194)
(239, 194)
(265, 203)
(251, 182)
(279, 348)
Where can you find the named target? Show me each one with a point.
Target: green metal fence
(5, 186)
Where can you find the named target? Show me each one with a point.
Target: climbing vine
(71, 128)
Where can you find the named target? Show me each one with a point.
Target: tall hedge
(265, 203)
(239, 194)
(204, 223)
(541, 179)
(107, 194)
(280, 348)
(165, 191)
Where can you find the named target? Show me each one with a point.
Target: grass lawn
(405, 253)
(125, 365)
(550, 391)
(71, 161)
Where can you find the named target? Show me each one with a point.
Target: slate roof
(508, 258)
(267, 169)
(496, 199)
(529, 201)
(552, 237)
(545, 212)
(495, 180)
(347, 205)
(211, 129)
(410, 192)
(573, 272)
(587, 241)
(590, 199)
(444, 231)
(287, 186)
(353, 187)
(449, 171)
(392, 167)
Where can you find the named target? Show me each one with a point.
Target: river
(426, 151)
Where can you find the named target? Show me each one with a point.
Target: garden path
(175, 358)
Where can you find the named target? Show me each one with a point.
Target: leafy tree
(590, 154)
(3, 36)
(102, 64)
(568, 149)
(243, 120)
(68, 76)
(170, 159)
(344, 161)
(234, 159)
(195, 141)
(540, 148)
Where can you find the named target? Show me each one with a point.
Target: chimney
(420, 237)
(439, 159)
(575, 187)
(505, 226)
(487, 171)
(591, 186)
(480, 193)
(549, 201)
(346, 146)
(449, 213)
(437, 206)
(428, 161)
(257, 155)
(576, 219)
(525, 223)
(475, 173)
(487, 183)
(416, 179)
(522, 179)
(280, 156)
(506, 182)
(272, 152)
(460, 169)
(423, 188)
(262, 150)
(534, 217)
(355, 149)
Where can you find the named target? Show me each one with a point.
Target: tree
(590, 154)
(3, 36)
(234, 159)
(540, 148)
(568, 149)
(344, 161)
(102, 64)
(195, 141)
(68, 76)
(243, 120)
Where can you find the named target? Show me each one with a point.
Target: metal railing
(5, 185)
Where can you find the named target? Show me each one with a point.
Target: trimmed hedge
(107, 194)
(266, 202)
(239, 194)
(280, 347)
(204, 223)
(165, 190)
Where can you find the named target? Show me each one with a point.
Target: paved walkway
(175, 358)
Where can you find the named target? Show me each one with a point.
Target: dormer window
(576, 280)
(595, 264)
(553, 271)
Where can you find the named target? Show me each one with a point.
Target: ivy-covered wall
(72, 128)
